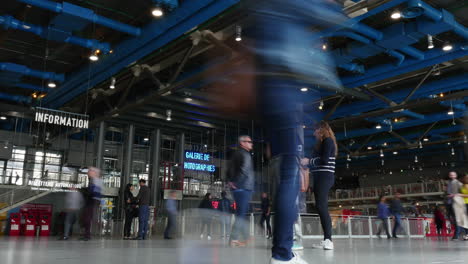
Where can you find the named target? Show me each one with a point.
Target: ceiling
(391, 79)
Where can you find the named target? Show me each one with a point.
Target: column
(100, 145)
(180, 161)
(155, 165)
(128, 162)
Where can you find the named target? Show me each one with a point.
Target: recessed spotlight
(3, 117)
(93, 57)
(157, 12)
(51, 84)
(378, 126)
(369, 148)
(395, 152)
(425, 139)
(450, 112)
(304, 89)
(396, 15)
(447, 46)
(146, 139)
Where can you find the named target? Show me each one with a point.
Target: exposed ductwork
(23, 70)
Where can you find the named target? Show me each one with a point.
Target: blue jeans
(323, 181)
(240, 230)
(397, 224)
(225, 223)
(171, 223)
(143, 218)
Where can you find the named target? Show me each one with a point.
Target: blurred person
(322, 165)
(396, 209)
(383, 213)
(93, 200)
(131, 210)
(453, 187)
(171, 209)
(143, 199)
(301, 206)
(241, 182)
(73, 204)
(266, 212)
(283, 60)
(439, 220)
(207, 205)
(460, 206)
(226, 214)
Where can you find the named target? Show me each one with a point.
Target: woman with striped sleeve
(322, 167)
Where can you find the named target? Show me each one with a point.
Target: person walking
(453, 187)
(460, 207)
(207, 206)
(93, 200)
(439, 220)
(143, 199)
(383, 213)
(73, 203)
(131, 210)
(171, 209)
(241, 181)
(396, 209)
(266, 212)
(322, 166)
(225, 207)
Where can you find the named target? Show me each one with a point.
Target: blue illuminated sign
(189, 155)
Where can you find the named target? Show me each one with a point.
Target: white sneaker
(297, 246)
(208, 237)
(201, 236)
(327, 244)
(295, 260)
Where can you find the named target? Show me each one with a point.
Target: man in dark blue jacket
(241, 181)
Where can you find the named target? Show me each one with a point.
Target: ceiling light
(430, 42)
(385, 144)
(238, 33)
(449, 143)
(157, 12)
(425, 140)
(188, 99)
(450, 112)
(416, 159)
(51, 84)
(3, 117)
(420, 145)
(381, 153)
(464, 139)
(396, 15)
(447, 46)
(304, 89)
(395, 120)
(321, 105)
(324, 47)
(107, 150)
(395, 152)
(382, 161)
(112, 84)
(146, 139)
(348, 157)
(340, 206)
(93, 57)
(378, 126)
(441, 95)
(369, 148)
(168, 115)
(390, 173)
(453, 152)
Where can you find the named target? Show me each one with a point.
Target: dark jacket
(133, 202)
(205, 204)
(143, 196)
(323, 159)
(225, 205)
(241, 171)
(395, 207)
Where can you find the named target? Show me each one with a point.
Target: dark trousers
(385, 226)
(171, 222)
(323, 181)
(240, 228)
(129, 214)
(397, 224)
(266, 218)
(143, 218)
(70, 220)
(88, 216)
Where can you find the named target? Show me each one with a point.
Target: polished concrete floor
(358, 251)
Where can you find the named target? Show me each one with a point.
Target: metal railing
(189, 226)
(19, 195)
(411, 189)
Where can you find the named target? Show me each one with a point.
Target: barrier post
(370, 226)
(350, 230)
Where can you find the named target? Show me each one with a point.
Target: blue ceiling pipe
(31, 87)
(154, 36)
(15, 98)
(23, 70)
(435, 87)
(383, 72)
(84, 14)
(53, 34)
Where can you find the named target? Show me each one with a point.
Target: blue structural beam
(154, 36)
(81, 13)
(15, 98)
(447, 84)
(23, 70)
(53, 33)
(455, 104)
(412, 114)
(371, 131)
(31, 87)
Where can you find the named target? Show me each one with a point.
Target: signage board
(60, 118)
(197, 161)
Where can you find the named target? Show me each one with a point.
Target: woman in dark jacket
(322, 167)
(130, 208)
(207, 206)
